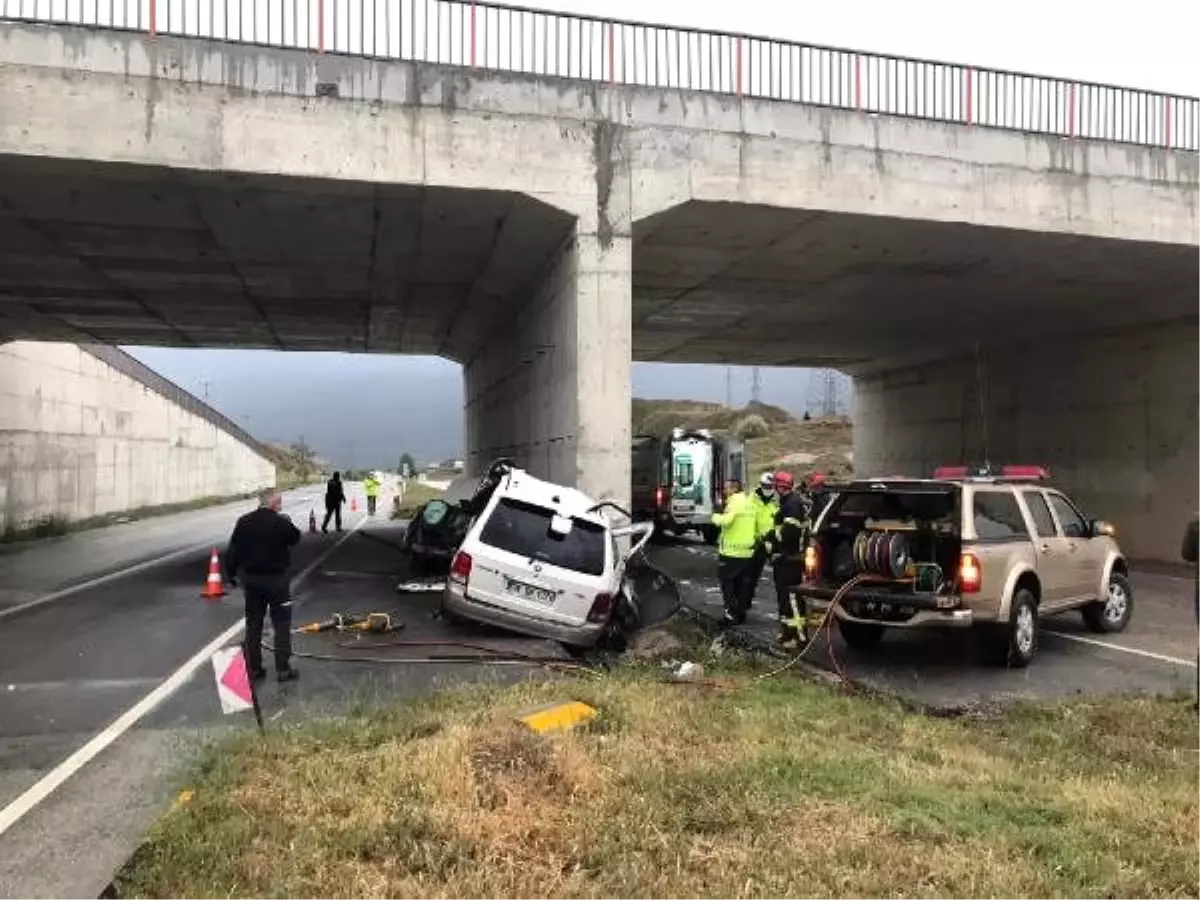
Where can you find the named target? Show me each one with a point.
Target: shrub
(752, 426)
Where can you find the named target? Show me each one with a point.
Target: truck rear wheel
(1015, 643)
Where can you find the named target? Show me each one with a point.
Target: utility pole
(729, 386)
(756, 385)
(205, 383)
(824, 392)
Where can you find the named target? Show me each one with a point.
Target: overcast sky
(367, 410)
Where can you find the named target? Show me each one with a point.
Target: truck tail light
(601, 607)
(970, 575)
(660, 496)
(460, 567)
(812, 563)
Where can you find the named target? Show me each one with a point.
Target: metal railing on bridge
(538, 42)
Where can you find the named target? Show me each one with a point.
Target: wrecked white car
(543, 560)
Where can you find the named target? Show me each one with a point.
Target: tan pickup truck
(990, 549)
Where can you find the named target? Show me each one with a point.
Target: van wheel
(1015, 643)
(710, 533)
(860, 635)
(1111, 614)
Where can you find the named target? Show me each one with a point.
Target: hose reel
(883, 553)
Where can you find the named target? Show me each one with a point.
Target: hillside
(820, 445)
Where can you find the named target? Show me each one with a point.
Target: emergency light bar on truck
(987, 473)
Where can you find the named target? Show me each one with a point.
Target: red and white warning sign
(233, 681)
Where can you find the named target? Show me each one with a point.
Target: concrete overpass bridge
(1003, 262)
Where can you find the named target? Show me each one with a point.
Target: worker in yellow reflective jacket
(735, 548)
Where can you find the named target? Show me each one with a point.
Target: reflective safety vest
(738, 525)
(764, 514)
(371, 486)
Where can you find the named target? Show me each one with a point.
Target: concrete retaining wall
(82, 434)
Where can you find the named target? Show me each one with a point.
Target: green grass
(415, 496)
(735, 787)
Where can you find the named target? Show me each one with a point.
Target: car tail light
(812, 562)
(460, 567)
(601, 607)
(970, 575)
(660, 496)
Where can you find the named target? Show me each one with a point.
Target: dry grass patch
(768, 788)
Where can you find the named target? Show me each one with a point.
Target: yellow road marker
(557, 716)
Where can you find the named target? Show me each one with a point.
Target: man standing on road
(735, 551)
(791, 530)
(764, 504)
(335, 496)
(260, 548)
(371, 488)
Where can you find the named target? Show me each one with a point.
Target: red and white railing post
(857, 81)
(472, 34)
(612, 53)
(737, 70)
(968, 87)
(153, 17)
(1071, 110)
(320, 26)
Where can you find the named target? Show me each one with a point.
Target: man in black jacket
(260, 549)
(335, 496)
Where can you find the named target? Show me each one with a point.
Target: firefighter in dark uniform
(791, 532)
(260, 551)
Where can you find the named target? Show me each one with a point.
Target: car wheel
(1015, 643)
(1111, 614)
(860, 635)
(710, 533)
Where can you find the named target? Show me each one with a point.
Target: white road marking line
(12, 813)
(111, 576)
(103, 579)
(1175, 660)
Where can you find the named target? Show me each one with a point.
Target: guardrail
(540, 42)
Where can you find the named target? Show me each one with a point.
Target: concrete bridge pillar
(552, 388)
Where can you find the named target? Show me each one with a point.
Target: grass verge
(416, 495)
(732, 788)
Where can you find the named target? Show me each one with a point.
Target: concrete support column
(552, 389)
(1113, 417)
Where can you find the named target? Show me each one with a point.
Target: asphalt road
(70, 667)
(1157, 653)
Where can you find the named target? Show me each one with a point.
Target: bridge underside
(131, 254)
(758, 285)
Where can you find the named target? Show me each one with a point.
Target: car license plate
(528, 591)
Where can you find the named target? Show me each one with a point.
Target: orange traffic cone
(214, 588)
(312, 522)
(353, 504)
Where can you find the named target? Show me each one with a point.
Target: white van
(544, 560)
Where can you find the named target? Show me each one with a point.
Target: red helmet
(784, 482)
(818, 478)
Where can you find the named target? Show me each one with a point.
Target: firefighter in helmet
(791, 532)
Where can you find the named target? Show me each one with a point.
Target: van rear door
(522, 565)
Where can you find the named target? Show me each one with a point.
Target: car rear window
(524, 529)
(998, 516)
